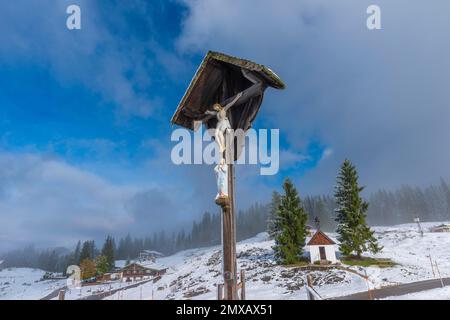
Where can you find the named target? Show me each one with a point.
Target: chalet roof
(443, 227)
(156, 253)
(131, 265)
(151, 267)
(219, 77)
(155, 266)
(135, 265)
(320, 239)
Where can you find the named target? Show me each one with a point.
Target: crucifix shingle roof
(219, 77)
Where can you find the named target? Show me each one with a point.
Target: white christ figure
(222, 180)
(223, 124)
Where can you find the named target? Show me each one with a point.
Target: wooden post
(242, 284)
(229, 226)
(220, 291)
(309, 287)
(309, 280)
(368, 285)
(432, 267)
(62, 295)
(439, 273)
(229, 240)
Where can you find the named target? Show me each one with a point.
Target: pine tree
(446, 196)
(102, 265)
(290, 226)
(108, 251)
(76, 254)
(273, 207)
(87, 250)
(355, 235)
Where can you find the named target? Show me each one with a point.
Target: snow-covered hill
(194, 274)
(26, 284)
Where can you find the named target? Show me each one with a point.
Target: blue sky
(84, 114)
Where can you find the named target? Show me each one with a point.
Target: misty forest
(385, 208)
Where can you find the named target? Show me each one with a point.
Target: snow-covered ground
(404, 245)
(194, 274)
(26, 284)
(86, 291)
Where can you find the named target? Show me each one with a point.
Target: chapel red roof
(320, 239)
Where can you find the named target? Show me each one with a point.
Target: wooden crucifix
(225, 95)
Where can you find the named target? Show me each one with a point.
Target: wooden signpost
(223, 79)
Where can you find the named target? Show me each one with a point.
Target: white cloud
(380, 98)
(290, 158)
(46, 200)
(327, 153)
(50, 202)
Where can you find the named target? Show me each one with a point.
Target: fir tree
(76, 254)
(273, 207)
(108, 251)
(87, 251)
(355, 235)
(290, 226)
(102, 265)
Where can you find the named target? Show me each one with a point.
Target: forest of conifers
(385, 208)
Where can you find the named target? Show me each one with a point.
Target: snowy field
(194, 274)
(26, 284)
(404, 245)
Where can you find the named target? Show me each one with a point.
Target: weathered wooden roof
(219, 77)
(156, 253)
(132, 266)
(320, 239)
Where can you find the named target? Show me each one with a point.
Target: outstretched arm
(202, 117)
(209, 112)
(228, 106)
